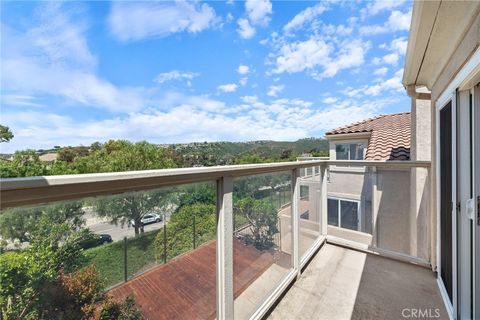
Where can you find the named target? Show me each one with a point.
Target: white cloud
(19, 100)
(35, 66)
(394, 84)
(377, 6)
(243, 69)
(397, 48)
(399, 45)
(351, 55)
(304, 16)
(243, 81)
(138, 20)
(397, 21)
(300, 56)
(60, 40)
(337, 30)
(329, 100)
(249, 99)
(391, 58)
(316, 56)
(174, 75)
(258, 11)
(229, 87)
(381, 71)
(274, 90)
(245, 30)
(190, 119)
(380, 86)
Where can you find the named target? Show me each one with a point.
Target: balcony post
(296, 220)
(375, 206)
(224, 255)
(324, 200)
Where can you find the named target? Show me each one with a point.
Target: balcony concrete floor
(340, 283)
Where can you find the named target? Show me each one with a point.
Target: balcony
(315, 239)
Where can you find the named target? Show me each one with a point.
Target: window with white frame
(349, 151)
(344, 213)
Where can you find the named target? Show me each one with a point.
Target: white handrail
(15, 192)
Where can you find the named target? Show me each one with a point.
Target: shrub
(30, 286)
(262, 217)
(112, 310)
(180, 230)
(84, 287)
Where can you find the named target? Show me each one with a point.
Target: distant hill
(221, 153)
(209, 153)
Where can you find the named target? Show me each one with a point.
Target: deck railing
(304, 221)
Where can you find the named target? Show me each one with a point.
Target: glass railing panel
(349, 202)
(382, 207)
(262, 240)
(401, 211)
(309, 209)
(157, 246)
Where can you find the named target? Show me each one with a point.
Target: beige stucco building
(374, 205)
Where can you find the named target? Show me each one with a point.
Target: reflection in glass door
(446, 272)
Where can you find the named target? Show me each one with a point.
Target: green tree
(262, 217)
(198, 193)
(128, 208)
(120, 155)
(25, 223)
(69, 154)
(5, 134)
(24, 164)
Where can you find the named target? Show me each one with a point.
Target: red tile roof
(390, 136)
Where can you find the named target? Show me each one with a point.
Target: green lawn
(109, 258)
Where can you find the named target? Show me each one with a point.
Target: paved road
(117, 232)
(98, 225)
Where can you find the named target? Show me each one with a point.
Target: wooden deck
(184, 288)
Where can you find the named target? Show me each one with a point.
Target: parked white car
(149, 218)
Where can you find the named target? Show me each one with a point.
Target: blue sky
(169, 72)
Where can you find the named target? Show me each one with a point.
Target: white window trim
(349, 144)
(359, 212)
(333, 155)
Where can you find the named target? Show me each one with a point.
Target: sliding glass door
(446, 209)
(476, 199)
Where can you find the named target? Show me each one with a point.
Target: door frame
(450, 305)
(476, 193)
